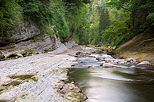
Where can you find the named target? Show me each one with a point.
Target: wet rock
(108, 57)
(84, 97)
(74, 63)
(132, 66)
(81, 54)
(67, 87)
(76, 90)
(108, 65)
(100, 58)
(101, 64)
(72, 93)
(74, 97)
(144, 63)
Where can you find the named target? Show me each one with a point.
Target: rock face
(28, 37)
(41, 46)
(70, 44)
(26, 31)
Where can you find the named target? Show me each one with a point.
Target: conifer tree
(104, 21)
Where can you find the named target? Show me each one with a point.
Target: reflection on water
(115, 84)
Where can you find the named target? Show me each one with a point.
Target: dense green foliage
(10, 15)
(44, 13)
(135, 17)
(98, 22)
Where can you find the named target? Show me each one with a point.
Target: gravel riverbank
(46, 71)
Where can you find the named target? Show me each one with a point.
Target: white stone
(144, 63)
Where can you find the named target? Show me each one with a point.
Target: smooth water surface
(122, 84)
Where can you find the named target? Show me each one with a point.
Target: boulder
(108, 65)
(131, 60)
(144, 63)
(81, 54)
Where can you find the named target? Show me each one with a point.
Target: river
(119, 84)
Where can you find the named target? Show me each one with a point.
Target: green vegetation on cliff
(65, 15)
(99, 22)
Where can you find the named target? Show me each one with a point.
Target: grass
(3, 101)
(24, 77)
(13, 83)
(1, 90)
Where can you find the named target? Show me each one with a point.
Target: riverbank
(139, 56)
(141, 48)
(34, 78)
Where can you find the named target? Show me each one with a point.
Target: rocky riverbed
(40, 77)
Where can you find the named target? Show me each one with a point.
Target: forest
(93, 22)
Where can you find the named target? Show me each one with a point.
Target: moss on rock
(2, 57)
(28, 52)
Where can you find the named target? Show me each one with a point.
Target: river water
(120, 84)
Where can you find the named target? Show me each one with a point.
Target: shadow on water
(115, 84)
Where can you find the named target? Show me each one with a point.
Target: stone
(89, 66)
(74, 63)
(131, 60)
(144, 63)
(81, 54)
(108, 65)
(108, 57)
(20, 55)
(84, 97)
(101, 64)
(76, 90)
(100, 58)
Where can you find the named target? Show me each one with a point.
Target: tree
(104, 21)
